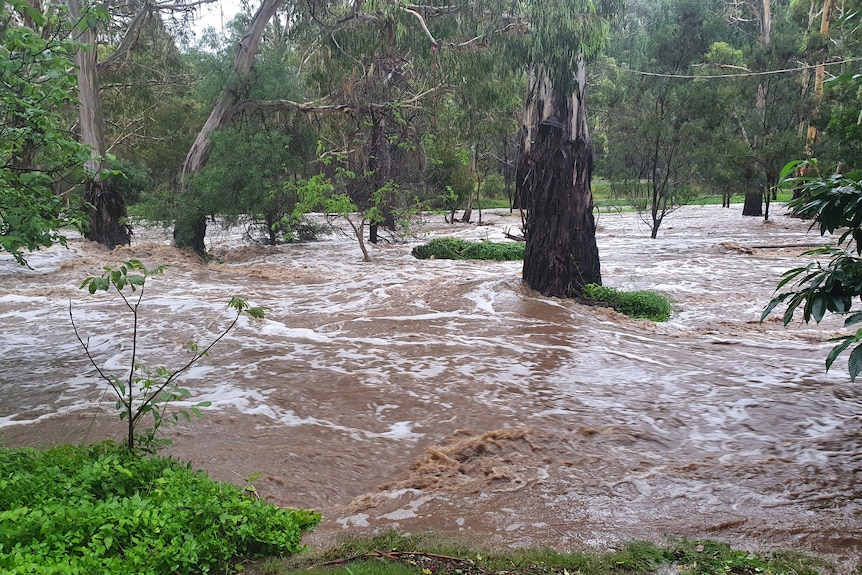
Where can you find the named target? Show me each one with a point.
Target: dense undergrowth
(393, 554)
(640, 304)
(455, 249)
(102, 509)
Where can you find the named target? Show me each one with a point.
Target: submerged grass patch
(455, 249)
(639, 304)
(103, 509)
(393, 554)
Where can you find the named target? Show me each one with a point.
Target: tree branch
(112, 63)
(422, 23)
(310, 108)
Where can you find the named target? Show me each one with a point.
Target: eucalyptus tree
(253, 156)
(555, 162)
(781, 106)
(663, 126)
(777, 102)
(383, 69)
(356, 76)
(119, 26)
(833, 37)
(36, 150)
(150, 112)
(481, 114)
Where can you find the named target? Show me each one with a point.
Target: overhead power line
(741, 75)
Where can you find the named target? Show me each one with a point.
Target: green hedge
(639, 304)
(101, 509)
(454, 249)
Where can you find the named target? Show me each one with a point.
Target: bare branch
(113, 62)
(423, 24)
(182, 6)
(311, 108)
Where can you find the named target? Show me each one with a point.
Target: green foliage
(130, 179)
(835, 205)
(447, 171)
(101, 509)
(561, 31)
(639, 304)
(455, 249)
(662, 134)
(251, 167)
(149, 391)
(322, 193)
(35, 147)
(722, 53)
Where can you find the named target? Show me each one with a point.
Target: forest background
(386, 108)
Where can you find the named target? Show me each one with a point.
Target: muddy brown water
(440, 395)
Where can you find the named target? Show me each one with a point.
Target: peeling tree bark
(819, 74)
(105, 206)
(554, 180)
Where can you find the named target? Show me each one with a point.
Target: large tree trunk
(554, 175)
(105, 205)
(190, 230)
(753, 205)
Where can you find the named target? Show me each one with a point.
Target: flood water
(444, 395)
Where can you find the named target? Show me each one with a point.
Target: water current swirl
(445, 395)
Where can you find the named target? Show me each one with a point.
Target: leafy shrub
(454, 249)
(639, 304)
(131, 179)
(302, 229)
(494, 186)
(102, 509)
(148, 391)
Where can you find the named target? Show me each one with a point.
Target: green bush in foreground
(101, 509)
(454, 249)
(640, 304)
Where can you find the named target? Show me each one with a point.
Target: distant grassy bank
(605, 199)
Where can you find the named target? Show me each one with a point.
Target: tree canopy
(39, 157)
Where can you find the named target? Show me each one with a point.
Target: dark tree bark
(753, 204)
(554, 178)
(380, 166)
(106, 207)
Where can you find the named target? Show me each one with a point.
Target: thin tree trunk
(105, 205)
(819, 75)
(468, 209)
(753, 205)
(189, 231)
(554, 176)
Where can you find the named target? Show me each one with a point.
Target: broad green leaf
(854, 364)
